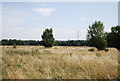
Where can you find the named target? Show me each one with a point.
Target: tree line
(37, 42)
(113, 37)
(96, 37)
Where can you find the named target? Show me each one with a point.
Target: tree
(96, 36)
(47, 38)
(113, 38)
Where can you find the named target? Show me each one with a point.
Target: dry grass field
(58, 62)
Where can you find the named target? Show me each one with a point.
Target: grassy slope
(35, 62)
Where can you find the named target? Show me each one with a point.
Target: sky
(59, 0)
(28, 20)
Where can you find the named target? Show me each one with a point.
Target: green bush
(100, 44)
(106, 50)
(14, 45)
(92, 49)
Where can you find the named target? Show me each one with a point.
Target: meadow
(58, 62)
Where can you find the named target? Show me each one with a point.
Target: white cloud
(44, 11)
(82, 18)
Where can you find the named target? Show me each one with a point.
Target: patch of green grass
(21, 52)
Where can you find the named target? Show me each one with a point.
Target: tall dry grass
(37, 62)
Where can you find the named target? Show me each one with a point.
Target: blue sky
(27, 20)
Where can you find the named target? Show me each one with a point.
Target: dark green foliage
(33, 42)
(113, 38)
(96, 30)
(71, 43)
(96, 36)
(47, 38)
(100, 43)
(92, 49)
(20, 42)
